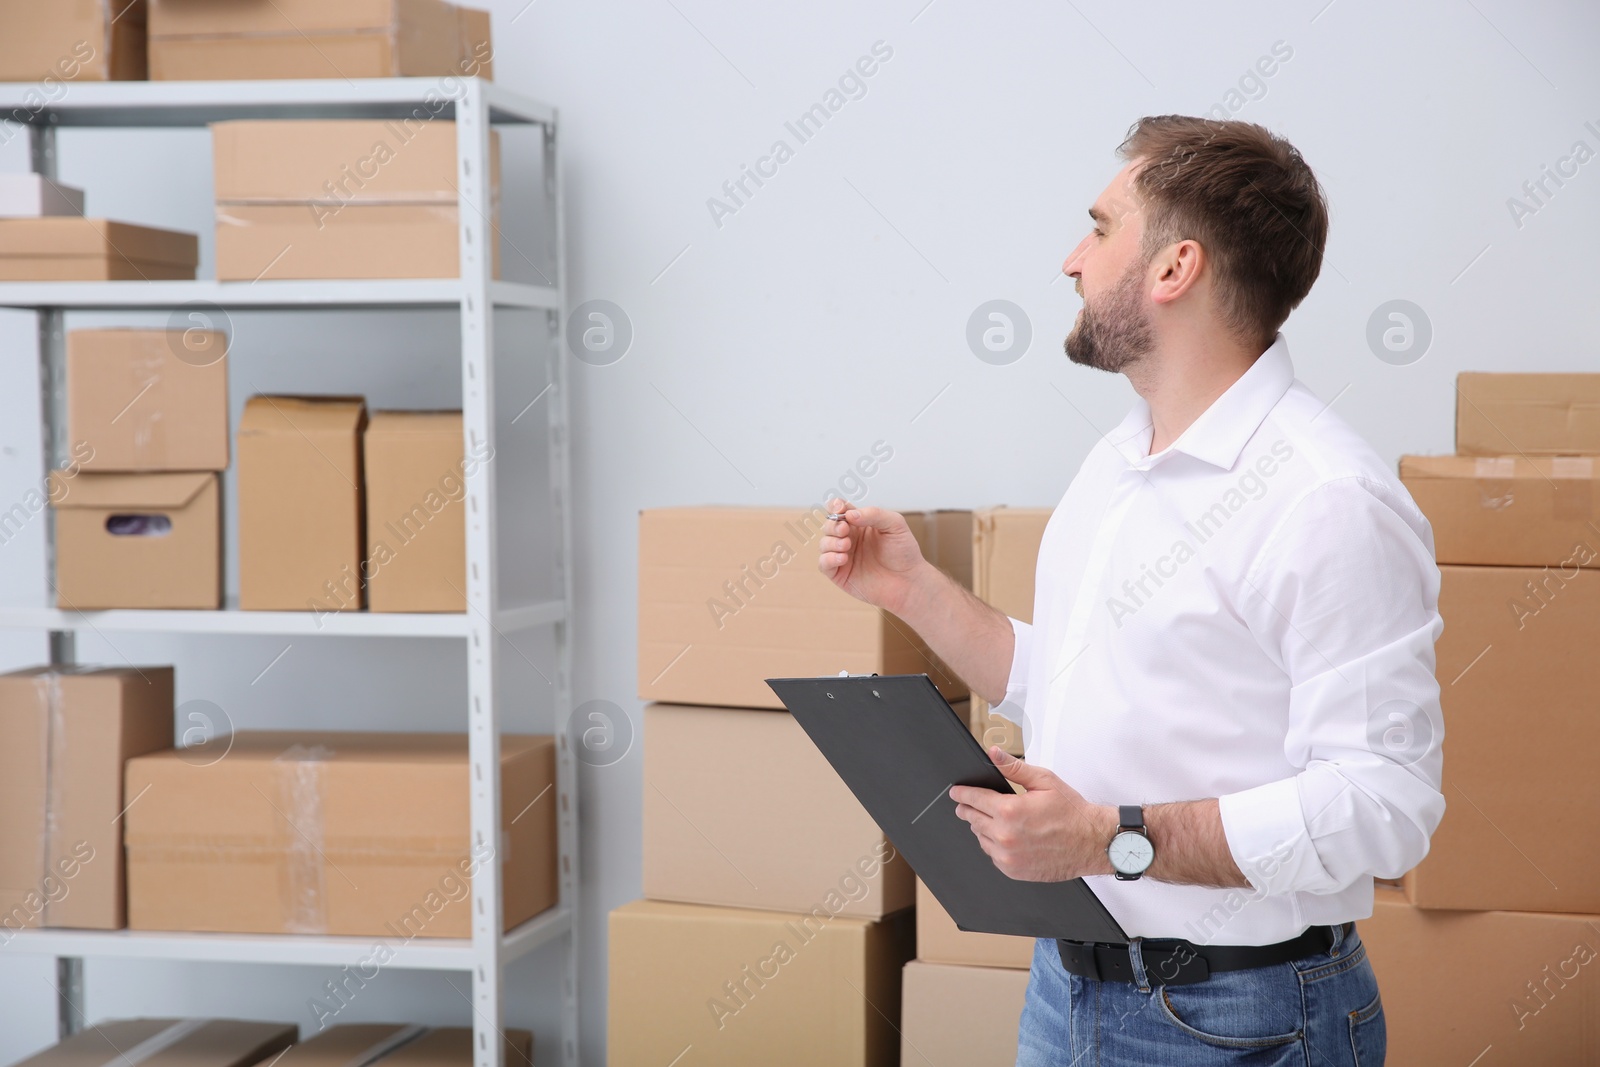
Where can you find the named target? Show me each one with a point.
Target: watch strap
(1131, 817)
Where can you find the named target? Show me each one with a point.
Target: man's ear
(1176, 269)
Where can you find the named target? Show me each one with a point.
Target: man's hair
(1246, 195)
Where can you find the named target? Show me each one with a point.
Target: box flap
(208, 17)
(169, 1043)
(265, 414)
(73, 236)
(163, 491)
(415, 423)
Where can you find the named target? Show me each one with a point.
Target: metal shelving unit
(475, 106)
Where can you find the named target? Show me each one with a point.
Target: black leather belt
(1179, 962)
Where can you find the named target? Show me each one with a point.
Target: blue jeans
(1321, 1011)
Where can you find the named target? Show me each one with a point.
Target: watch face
(1130, 853)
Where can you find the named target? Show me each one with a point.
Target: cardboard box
(1527, 414)
(65, 734)
(416, 521)
(796, 838)
(148, 400)
(1508, 510)
(477, 44)
(88, 250)
(209, 40)
(1457, 984)
(746, 987)
(1005, 551)
(1518, 671)
(960, 1016)
(72, 40)
(939, 940)
(32, 196)
(170, 1043)
(300, 504)
(729, 596)
(397, 1045)
(342, 199)
(137, 540)
(362, 834)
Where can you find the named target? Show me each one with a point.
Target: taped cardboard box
(169, 1043)
(416, 475)
(1005, 558)
(1518, 672)
(72, 40)
(147, 400)
(729, 596)
(343, 199)
(1527, 414)
(1458, 984)
(477, 44)
(960, 1016)
(65, 733)
(402, 1045)
(1508, 510)
(300, 504)
(137, 540)
(86, 250)
(207, 40)
(33, 196)
(745, 987)
(773, 827)
(334, 833)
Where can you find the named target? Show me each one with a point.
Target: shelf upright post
(561, 510)
(483, 719)
(53, 428)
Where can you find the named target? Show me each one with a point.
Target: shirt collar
(1222, 430)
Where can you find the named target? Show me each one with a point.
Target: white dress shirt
(1248, 614)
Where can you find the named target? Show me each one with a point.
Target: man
(1227, 697)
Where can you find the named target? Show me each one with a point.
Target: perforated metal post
(561, 510)
(483, 719)
(53, 451)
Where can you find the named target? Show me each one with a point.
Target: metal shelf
(167, 104)
(377, 293)
(475, 297)
(285, 623)
(418, 954)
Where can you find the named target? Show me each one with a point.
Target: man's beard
(1117, 332)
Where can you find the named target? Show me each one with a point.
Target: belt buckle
(1178, 965)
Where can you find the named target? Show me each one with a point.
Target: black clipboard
(899, 746)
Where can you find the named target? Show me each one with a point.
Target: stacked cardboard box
(138, 509)
(777, 916)
(358, 834)
(71, 40)
(65, 734)
(219, 40)
(171, 1043)
(394, 1045)
(1516, 522)
(344, 199)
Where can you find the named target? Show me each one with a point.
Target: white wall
(830, 311)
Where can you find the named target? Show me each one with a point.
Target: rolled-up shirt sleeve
(1016, 698)
(1345, 598)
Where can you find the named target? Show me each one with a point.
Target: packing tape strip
(401, 1037)
(149, 429)
(301, 778)
(54, 754)
(156, 1043)
(1501, 467)
(1495, 476)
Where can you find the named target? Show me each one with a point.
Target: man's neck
(1180, 381)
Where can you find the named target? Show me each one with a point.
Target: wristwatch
(1130, 851)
